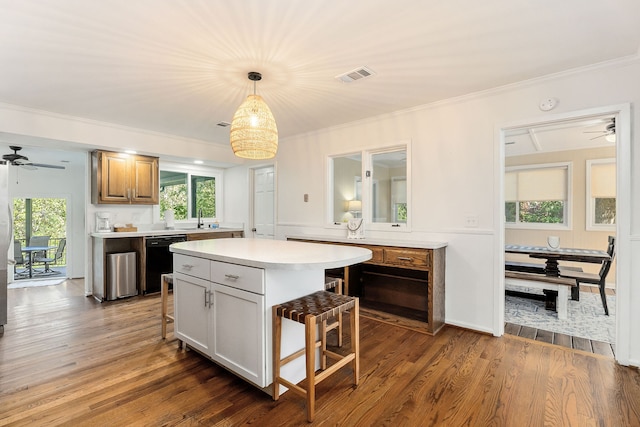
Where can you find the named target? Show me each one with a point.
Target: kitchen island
(224, 290)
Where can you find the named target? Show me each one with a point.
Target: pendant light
(254, 134)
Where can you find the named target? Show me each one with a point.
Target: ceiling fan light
(254, 134)
(611, 137)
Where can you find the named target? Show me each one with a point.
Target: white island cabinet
(224, 290)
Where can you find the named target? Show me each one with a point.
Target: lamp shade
(354, 206)
(254, 134)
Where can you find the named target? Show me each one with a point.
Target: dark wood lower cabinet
(402, 281)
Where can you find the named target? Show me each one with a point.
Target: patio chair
(58, 255)
(39, 241)
(19, 259)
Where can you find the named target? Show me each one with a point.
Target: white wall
(456, 165)
(54, 183)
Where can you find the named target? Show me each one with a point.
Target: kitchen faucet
(200, 222)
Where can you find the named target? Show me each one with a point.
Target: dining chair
(58, 255)
(567, 270)
(595, 279)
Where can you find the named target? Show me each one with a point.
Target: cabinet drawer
(377, 254)
(407, 257)
(197, 267)
(238, 276)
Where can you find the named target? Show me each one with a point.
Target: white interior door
(263, 203)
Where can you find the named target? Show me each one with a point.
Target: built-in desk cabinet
(119, 178)
(404, 281)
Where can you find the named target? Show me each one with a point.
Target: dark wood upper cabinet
(119, 178)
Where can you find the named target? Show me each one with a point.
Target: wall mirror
(389, 187)
(347, 188)
(372, 185)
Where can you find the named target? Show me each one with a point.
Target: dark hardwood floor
(67, 360)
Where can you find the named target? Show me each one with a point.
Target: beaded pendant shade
(254, 134)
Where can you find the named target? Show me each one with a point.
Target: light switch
(306, 197)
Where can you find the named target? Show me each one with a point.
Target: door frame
(622, 114)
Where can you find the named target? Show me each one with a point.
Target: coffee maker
(103, 222)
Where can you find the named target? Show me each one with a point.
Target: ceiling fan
(16, 159)
(609, 133)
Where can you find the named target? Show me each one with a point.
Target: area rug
(586, 318)
(35, 283)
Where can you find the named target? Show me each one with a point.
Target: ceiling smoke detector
(357, 74)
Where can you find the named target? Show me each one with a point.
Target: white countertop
(374, 242)
(274, 254)
(145, 233)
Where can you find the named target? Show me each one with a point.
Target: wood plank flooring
(67, 360)
(578, 343)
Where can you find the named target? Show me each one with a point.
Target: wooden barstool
(165, 281)
(335, 283)
(313, 311)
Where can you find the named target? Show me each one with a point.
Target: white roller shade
(511, 187)
(603, 180)
(399, 190)
(536, 184)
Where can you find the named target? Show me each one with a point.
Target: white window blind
(399, 190)
(603, 180)
(536, 184)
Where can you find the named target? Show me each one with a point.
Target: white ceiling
(179, 66)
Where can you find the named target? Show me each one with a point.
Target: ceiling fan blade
(599, 136)
(40, 165)
(27, 166)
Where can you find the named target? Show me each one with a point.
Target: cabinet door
(191, 299)
(113, 176)
(239, 332)
(144, 180)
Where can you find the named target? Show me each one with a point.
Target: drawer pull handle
(405, 258)
(187, 267)
(231, 276)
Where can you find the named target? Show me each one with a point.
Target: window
(187, 193)
(538, 196)
(372, 185)
(601, 194)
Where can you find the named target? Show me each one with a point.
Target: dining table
(30, 250)
(552, 256)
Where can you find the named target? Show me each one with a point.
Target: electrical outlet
(471, 221)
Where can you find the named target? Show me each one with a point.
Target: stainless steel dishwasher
(158, 260)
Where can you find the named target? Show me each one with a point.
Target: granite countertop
(273, 254)
(372, 241)
(151, 233)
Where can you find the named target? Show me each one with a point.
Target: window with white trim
(187, 190)
(537, 196)
(601, 194)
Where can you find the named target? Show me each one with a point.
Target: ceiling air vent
(224, 124)
(357, 74)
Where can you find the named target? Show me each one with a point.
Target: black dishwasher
(159, 260)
